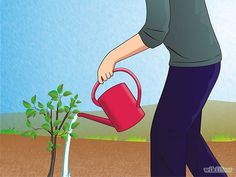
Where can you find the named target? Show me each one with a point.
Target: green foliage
(74, 135)
(58, 145)
(30, 112)
(47, 118)
(33, 99)
(67, 93)
(60, 88)
(66, 126)
(71, 116)
(67, 109)
(76, 96)
(42, 111)
(50, 146)
(40, 105)
(56, 122)
(64, 137)
(32, 133)
(49, 105)
(61, 109)
(72, 102)
(78, 101)
(45, 126)
(26, 133)
(54, 95)
(26, 104)
(75, 111)
(50, 114)
(59, 104)
(28, 123)
(55, 132)
(74, 125)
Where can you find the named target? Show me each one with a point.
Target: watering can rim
(96, 85)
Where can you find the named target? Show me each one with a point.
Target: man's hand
(105, 70)
(130, 47)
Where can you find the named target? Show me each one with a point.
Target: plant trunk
(53, 160)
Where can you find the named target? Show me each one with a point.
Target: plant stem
(53, 152)
(53, 159)
(51, 121)
(40, 129)
(57, 115)
(64, 119)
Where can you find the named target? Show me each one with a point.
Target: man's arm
(151, 35)
(157, 22)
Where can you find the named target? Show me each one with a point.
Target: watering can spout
(96, 118)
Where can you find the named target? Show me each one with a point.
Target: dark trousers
(176, 140)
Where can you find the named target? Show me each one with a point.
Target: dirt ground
(25, 157)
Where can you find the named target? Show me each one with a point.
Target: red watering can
(122, 109)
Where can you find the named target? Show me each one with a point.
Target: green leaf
(73, 135)
(49, 149)
(72, 102)
(42, 111)
(75, 111)
(46, 126)
(33, 99)
(66, 126)
(78, 101)
(60, 88)
(53, 93)
(67, 109)
(56, 122)
(71, 116)
(50, 144)
(47, 118)
(55, 132)
(30, 112)
(67, 93)
(40, 105)
(49, 105)
(58, 145)
(61, 132)
(28, 123)
(74, 125)
(26, 104)
(54, 98)
(64, 136)
(26, 134)
(34, 114)
(33, 135)
(59, 103)
(76, 96)
(61, 109)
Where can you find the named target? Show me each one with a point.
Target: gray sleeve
(157, 22)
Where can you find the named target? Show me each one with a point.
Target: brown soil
(24, 157)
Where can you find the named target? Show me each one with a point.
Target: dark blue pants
(176, 140)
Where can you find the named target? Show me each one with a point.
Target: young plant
(53, 124)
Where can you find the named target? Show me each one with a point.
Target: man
(195, 56)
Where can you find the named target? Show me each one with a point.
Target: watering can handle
(116, 70)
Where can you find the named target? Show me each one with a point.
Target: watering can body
(119, 104)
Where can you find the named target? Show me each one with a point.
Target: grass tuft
(111, 138)
(136, 139)
(223, 138)
(10, 131)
